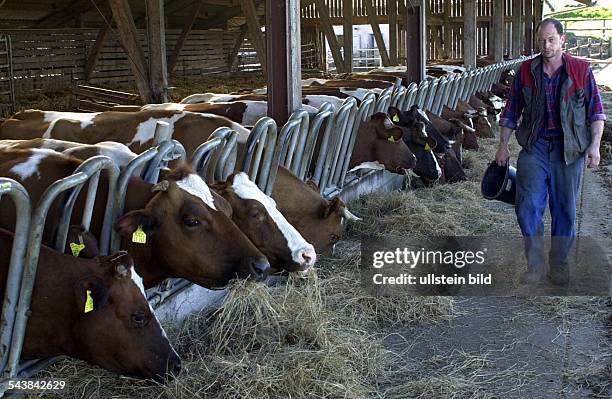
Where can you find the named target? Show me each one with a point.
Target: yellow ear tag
(77, 248)
(139, 236)
(89, 305)
(427, 147)
(391, 139)
(395, 118)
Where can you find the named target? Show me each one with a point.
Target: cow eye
(191, 222)
(140, 319)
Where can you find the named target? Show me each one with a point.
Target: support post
(380, 42)
(328, 30)
(415, 43)
(392, 12)
(528, 27)
(498, 30)
(517, 31)
(347, 29)
(469, 33)
(284, 55)
(128, 37)
(158, 71)
(447, 53)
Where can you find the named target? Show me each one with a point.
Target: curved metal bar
(167, 151)
(225, 159)
(315, 129)
(91, 168)
(362, 116)
(202, 156)
(409, 97)
(23, 215)
(80, 177)
(264, 131)
(398, 96)
(294, 153)
(420, 96)
(286, 138)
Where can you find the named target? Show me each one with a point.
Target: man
(561, 128)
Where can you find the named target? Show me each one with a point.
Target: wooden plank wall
(55, 59)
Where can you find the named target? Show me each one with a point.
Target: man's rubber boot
(533, 275)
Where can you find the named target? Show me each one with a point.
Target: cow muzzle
(305, 257)
(258, 268)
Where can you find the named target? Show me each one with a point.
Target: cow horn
(161, 186)
(349, 216)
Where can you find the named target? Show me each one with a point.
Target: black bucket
(499, 183)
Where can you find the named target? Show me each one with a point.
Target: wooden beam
(380, 43)
(392, 13)
(347, 32)
(528, 27)
(447, 29)
(233, 55)
(415, 44)
(257, 38)
(180, 42)
(60, 17)
(538, 10)
(327, 28)
(158, 71)
(517, 31)
(469, 33)
(94, 53)
(129, 41)
(499, 28)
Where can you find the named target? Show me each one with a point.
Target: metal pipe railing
(263, 135)
(23, 215)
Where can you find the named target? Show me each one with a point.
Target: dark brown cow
(482, 125)
(500, 90)
(189, 230)
(120, 332)
(379, 140)
(257, 216)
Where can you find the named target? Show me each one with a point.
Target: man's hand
(593, 157)
(502, 155)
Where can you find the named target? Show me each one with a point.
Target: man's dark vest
(576, 134)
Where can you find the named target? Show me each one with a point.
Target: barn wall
(55, 59)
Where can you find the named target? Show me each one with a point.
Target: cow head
(256, 215)
(319, 220)
(451, 167)
(414, 116)
(114, 326)
(469, 140)
(423, 146)
(190, 234)
(379, 140)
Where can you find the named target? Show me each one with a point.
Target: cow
(309, 100)
(258, 217)
(500, 90)
(482, 126)
(94, 310)
(318, 219)
(191, 129)
(187, 229)
(134, 129)
(379, 141)
(244, 112)
(449, 151)
(118, 152)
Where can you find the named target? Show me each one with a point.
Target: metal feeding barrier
(16, 306)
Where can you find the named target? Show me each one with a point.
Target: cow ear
(431, 143)
(333, 206)
(122, 263)
(222, 204)
(311, 183)
(135, 220)
(81, 243)
(91, 294)
(394, 114)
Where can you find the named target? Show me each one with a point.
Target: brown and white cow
(482, 125)
(189, 232)
(257, 215)
(309, 100)
(119, 332)
(191, 129)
